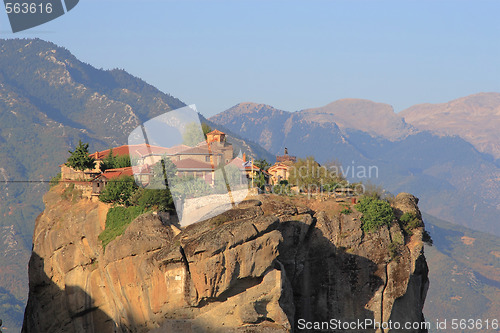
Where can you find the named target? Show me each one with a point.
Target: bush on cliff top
(117, 221)
(376, 213)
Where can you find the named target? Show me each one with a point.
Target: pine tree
(108, 162)
(80, 158)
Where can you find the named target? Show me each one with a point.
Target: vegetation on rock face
(71, 193)
(346, 210)
(55, 180)
(409, 222)
(117, 221)
(80, 159)
(376, 213)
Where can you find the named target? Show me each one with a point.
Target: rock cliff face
(257, 268)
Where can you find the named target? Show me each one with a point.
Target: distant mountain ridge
(474, 118)
(377, 119)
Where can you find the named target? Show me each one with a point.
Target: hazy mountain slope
(454, 180)
(475, 118)
(464, 273)
(376, 119)
(258, 122)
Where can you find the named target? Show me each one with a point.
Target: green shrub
(410, 221)
(346, 211)
(376, 213)
(393, 249)
(395, 246)
(119, 190)
(117, 220)
(426, 237)
(55, 180)
(160, 200)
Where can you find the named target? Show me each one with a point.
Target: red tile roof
(277, 166)
(191, 164)
(140, 151)
(216, 131)
(198, 150)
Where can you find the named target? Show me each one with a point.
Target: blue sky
(289, 54)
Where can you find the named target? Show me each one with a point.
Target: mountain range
(49, 100)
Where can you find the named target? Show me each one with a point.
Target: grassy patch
(117, 221)
(71, 193)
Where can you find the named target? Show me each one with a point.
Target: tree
(114, 162)
(159, 196)
(206, 129)
(307, 172)
(260, 180)
(262, 164)
(376, 213)
(164, 168)
(158, 199)
(122, 161)
(80, 158)
(119, 191)
(108, 162)
(192, 134)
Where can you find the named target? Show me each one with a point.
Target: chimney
(244, 157)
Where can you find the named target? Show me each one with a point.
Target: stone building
(281, 169)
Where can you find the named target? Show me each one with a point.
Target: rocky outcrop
(257, 268)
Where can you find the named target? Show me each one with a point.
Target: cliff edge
(268, 265)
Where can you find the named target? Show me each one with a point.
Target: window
(207, 158)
